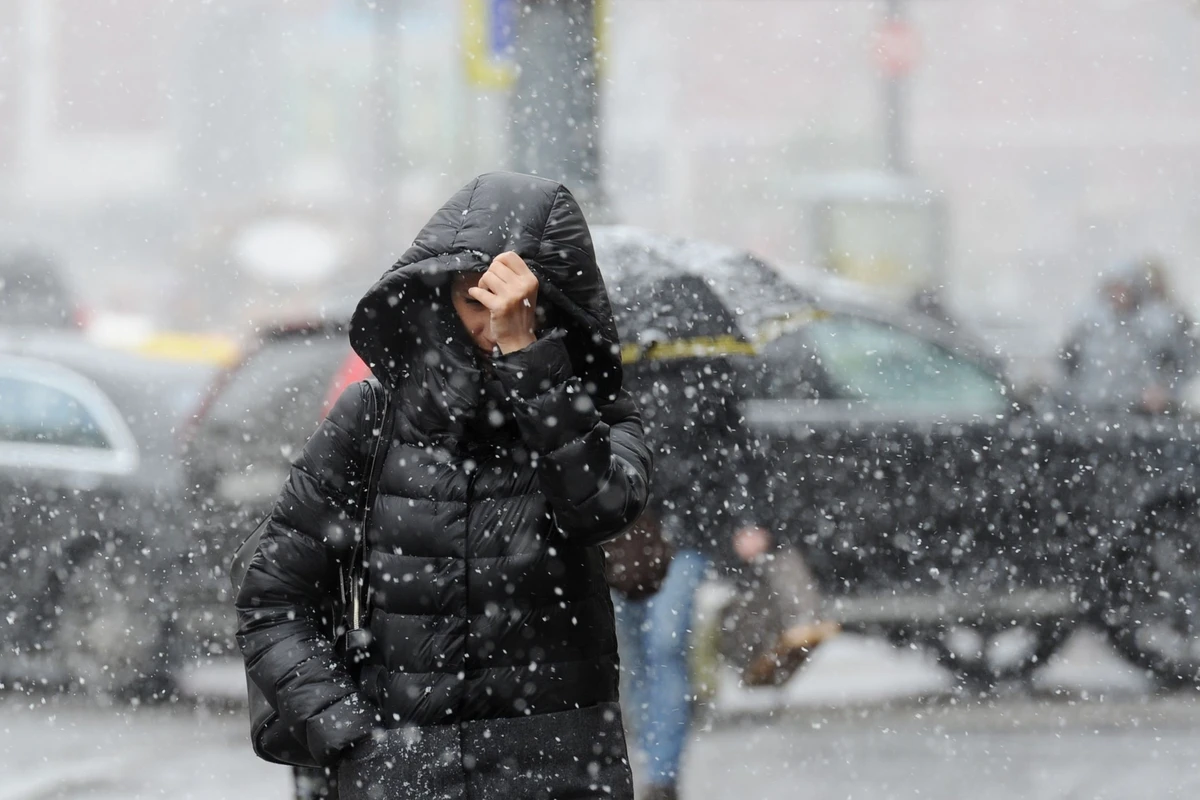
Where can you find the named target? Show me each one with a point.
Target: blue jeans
(654, 637)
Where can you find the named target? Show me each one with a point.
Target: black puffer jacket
(494, 664)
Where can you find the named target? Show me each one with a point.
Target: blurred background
(170, 154)
(195, 193)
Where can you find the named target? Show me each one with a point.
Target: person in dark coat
(493, 670)
(705, 466)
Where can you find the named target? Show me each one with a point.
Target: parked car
(33, 293)
(91, 478)
(936, 506)
(238, 448)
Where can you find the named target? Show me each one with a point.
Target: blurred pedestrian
(492, 670)
(1134, 349)
(773, 622)
(1170, 325)
(708, 479)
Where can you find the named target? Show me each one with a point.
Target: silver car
(95, 544)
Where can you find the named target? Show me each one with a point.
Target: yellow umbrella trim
(698, 347)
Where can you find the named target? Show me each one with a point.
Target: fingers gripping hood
(540, 221)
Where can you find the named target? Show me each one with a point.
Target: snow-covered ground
(1126, 748)
(855, 670)
(863, 720)
(66, 748)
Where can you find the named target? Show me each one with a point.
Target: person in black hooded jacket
(516, 452)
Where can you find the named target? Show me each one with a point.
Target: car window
(277, 394)
(891, 368)
(790, 370)
(35, 413)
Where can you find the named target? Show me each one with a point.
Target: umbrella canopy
(683, 297)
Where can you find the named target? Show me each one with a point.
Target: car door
(62, 446)
(884, 435)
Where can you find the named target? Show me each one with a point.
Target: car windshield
(854, 358)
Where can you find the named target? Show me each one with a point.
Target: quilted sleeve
(593, 463)
(288, 652)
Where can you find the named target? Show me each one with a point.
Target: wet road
(852, 727)
(1131, 749)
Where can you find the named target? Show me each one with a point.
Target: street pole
(894, 106)
(554, 106)
(385, 132)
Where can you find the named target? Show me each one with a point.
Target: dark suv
(937, 507)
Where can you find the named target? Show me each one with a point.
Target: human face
(474, 315)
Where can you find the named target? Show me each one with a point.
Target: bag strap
(382, 424)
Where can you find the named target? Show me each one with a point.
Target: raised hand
(508, 290)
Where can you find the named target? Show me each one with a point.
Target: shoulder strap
(382, 424)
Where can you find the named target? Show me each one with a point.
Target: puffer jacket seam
(573, 440)
(285, 528)
(413, 614)
(301, 664)
(587, 598)
(494, 667)
(342, 500)
(364, 387)
(586, 500)
(528, 401)
(515, 557)
(481, 670)
(580, 599)
(462, 218)
(550, 212)
(432, 500)
(339, 497)
(341, 699)
(593, 318)
(513, 496)
(336, 495)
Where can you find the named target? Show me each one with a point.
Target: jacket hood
(396, 325)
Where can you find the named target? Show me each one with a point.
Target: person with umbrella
(677, 308)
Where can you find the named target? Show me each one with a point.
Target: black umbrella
(681, 297)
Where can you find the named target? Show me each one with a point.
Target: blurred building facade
(138, 139)
(1064, 137)
(136, 135)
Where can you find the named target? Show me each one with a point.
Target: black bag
(636, 562)
(272, 740)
